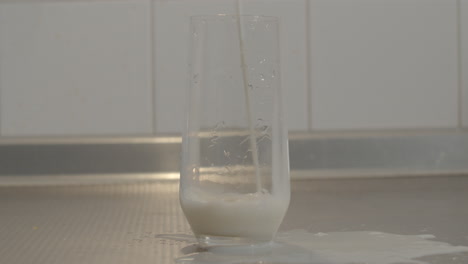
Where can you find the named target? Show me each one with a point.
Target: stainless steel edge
(312, 155)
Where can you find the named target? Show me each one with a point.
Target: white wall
(104, 67)
(463, 66)
(383, 64)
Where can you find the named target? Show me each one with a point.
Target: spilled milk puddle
(301, 247)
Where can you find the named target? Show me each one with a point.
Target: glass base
(205, 241)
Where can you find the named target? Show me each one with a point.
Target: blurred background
(371, 86)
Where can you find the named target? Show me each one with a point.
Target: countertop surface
(141, 222)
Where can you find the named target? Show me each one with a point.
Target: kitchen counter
(141, 221)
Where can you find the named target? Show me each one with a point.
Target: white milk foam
(256, 216)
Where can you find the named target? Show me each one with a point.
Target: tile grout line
(1, 109)
(459, 65)
(175, 138)
(153, 67)
(308, 66)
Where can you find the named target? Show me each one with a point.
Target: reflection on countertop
(117, 221)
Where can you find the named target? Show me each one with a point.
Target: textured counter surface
(118, 222)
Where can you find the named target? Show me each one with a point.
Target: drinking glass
(234, 186)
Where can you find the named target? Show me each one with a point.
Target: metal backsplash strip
(311, 155)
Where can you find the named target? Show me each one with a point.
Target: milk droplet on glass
(195, 173)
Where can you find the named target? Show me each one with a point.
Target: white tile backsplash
(75, 68)
(292, 15)
(86, 67)
(171, 38)
(464, 60)
(171, 20)
(383, 64)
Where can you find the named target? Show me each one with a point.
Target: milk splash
(301, 247)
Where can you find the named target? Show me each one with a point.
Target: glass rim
(255, 18)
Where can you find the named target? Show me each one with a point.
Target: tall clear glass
(234, 186)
